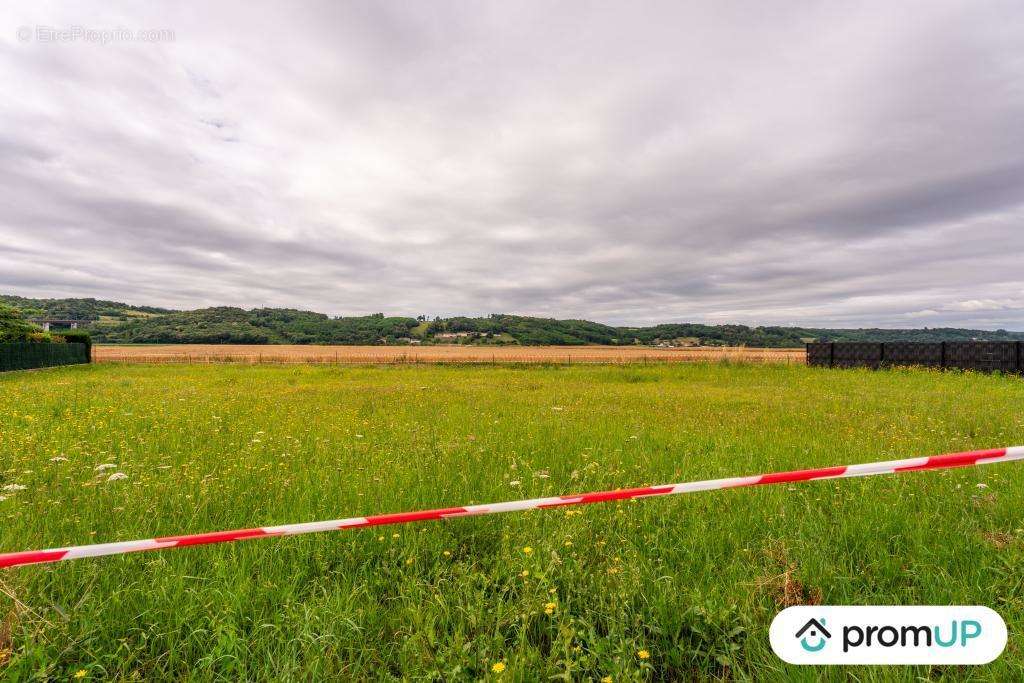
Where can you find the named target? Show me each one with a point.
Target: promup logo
(888, 635)
(814, 629)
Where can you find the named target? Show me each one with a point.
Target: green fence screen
(27, 355)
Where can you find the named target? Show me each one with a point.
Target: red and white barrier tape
(866, 469)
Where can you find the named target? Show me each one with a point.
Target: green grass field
(575, 594)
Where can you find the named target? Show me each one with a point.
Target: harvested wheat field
(242, 353)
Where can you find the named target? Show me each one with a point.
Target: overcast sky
(835, 164)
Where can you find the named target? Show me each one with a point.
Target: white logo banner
(836, 634)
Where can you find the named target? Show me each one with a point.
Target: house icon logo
(815, 631)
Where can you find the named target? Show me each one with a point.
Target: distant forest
(115, 322)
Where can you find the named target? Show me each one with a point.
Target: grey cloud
(806, 164)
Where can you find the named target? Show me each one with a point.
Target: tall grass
(694, 581)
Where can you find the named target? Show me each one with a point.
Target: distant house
(47, 323)
(452, 335)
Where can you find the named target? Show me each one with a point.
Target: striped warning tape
(867, 469)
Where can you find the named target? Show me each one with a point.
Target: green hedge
(27, 355)
(75, 336)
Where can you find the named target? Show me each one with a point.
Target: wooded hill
(114, 322)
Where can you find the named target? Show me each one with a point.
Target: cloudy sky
(828, 163)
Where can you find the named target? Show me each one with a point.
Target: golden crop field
(242, 353)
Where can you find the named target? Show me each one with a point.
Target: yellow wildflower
(643, 654)
(80, 673)
(527, 550)
(498, 667)
(606, 679)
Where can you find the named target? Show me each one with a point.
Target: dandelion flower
(643, 654)
(446, 553)
(550, 608)
(396, 535)
(525, 573)
(80, 673)
(498, 667)
(527, 550)
(606, 679)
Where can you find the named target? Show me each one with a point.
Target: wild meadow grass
(692, 582)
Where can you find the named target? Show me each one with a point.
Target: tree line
(115, 322)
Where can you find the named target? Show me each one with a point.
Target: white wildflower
(11, 488)
(117, 476)
(105, 466)
(982, 486)
(58, 458)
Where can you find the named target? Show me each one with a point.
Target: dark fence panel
(28, 355)
(913, 353)
(819, 354)
(975, 355)
(857, 355)
(986, 356)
